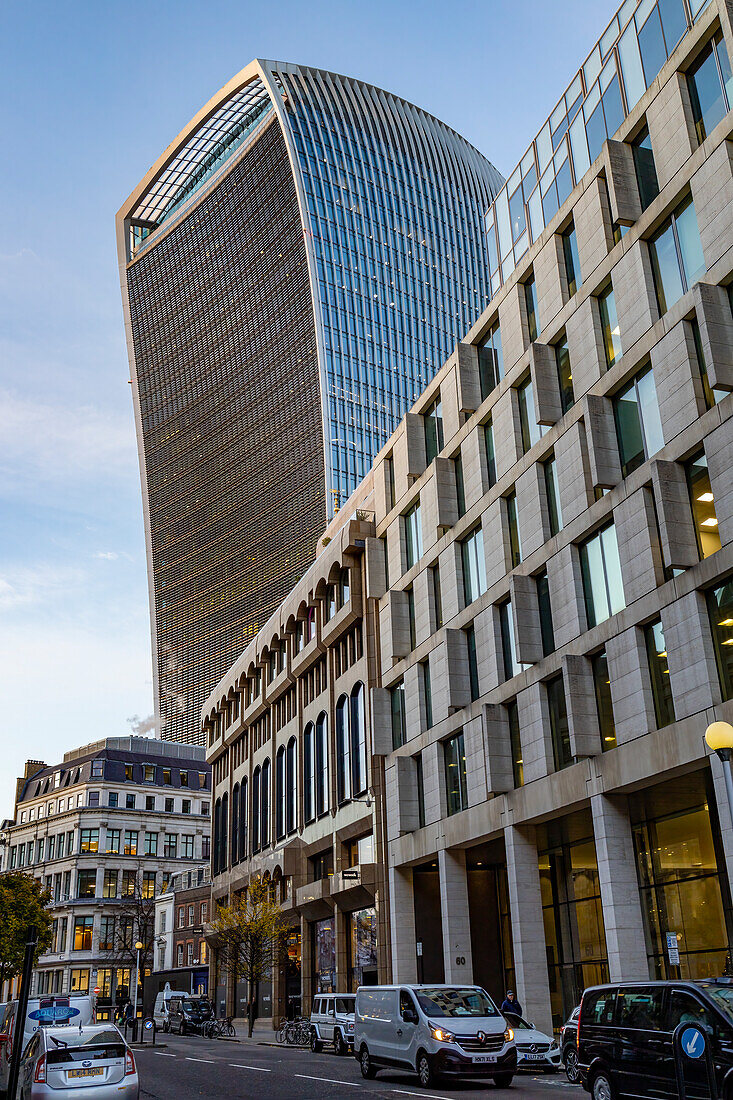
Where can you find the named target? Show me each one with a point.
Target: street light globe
(139, 946)
(719, 735)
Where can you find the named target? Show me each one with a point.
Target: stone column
(402, 902)
(528, 928)
(455, 917)
(625, 940)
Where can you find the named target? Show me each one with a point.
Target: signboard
(54, 1014)
(418, 948)
(673, 950)
(350, 874)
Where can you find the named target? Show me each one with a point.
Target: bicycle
(220, 1029)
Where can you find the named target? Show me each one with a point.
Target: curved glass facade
(295, 273)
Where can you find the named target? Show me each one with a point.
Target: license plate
(484, 1058)
(533, 1057)
(84, 1072)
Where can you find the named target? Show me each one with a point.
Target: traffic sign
(673, 951)
(693, 1042)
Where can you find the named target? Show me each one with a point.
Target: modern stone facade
(104, 831)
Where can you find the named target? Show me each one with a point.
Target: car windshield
(345, 1004)
(517, 1021)
(195, 1008)
(455, 1002)
(722, 995)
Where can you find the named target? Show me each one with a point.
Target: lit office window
(572, 259)
(604, 704)
(564, 375)
(711, 87)
(490, 361)
(638, 426)
(413, 535)
(455, 774)
(677, 256)
(515, 742)
(703, 505)
(609, 323)
(559, 726)
(601, 569)
(656, 652)
(433, 420)
(720, 609)
(474, 566)
(553, 495)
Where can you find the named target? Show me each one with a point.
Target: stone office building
(104, 831)
(557, 519)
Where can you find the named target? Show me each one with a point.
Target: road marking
(258, 1069)
(211, 1060)
(428, 1095)
(331, 1081)
(162, 1055)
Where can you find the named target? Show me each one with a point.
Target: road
(189, 1066)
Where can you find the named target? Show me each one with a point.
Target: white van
(161, 1011)
(433, 1030)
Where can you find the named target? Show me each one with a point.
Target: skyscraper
(294, 268)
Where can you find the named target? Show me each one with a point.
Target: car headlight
(442, 1035)
(508, 1035)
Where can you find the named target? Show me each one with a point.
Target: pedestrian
(511, 1004)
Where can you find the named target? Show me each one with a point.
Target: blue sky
(92, 92)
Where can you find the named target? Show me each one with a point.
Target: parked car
(535, 1049)
(54, 1009)
(187, 1014)
(625, 1038)
(95, 1059)
(161, 1009)
(332, 1021)
(433, 1030)
(569, 1046)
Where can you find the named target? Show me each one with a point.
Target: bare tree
(133, 922)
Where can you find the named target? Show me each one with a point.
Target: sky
(90, 95)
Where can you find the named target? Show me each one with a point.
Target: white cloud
(24, 586)
(107, 555)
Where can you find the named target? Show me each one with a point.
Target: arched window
(243, 806)
(322, 799)
(280, 793)
(235, 823)
(309, 774)
(343, 751)
(344, 587)
(330, 601)
(223, 853)
(359, 780)
(311, 623)
(256, 810)
(265, 806)
(217, 837)
(291, 786)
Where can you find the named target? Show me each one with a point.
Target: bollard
(148, 1032)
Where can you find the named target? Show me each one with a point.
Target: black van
(188, 1014)
(625, 1039)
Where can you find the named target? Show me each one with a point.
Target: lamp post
(138, 949)
(719, 737)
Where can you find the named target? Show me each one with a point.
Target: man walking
(511, 1004)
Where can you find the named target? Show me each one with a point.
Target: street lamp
(138, 949)
(719, 737)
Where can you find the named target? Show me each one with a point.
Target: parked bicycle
(220, 1029)
(295, 1032)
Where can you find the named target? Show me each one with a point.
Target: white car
(93, 1062)
(535, 1049)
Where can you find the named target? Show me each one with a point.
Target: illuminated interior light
(705, 498)
(711, 521)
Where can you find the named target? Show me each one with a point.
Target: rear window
(597, 1007)
(75, 1046)
(640, 1009)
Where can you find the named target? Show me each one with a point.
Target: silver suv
(332, 1021)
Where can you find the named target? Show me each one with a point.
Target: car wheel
(602, 1088)
(572, 1071)
(338, 1043)
(316, 1044)
(365, 1063)
(425, 1070)
(503, 1080)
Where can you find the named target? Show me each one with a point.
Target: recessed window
(427, 692)
(703, 505)
(129, 801)
(490, 452)
(413, 535)
(604, 705)
(515, 546)
(460, 490)
(129, 771)
(572, 259)
(559, 726)
(397, 709)
(437, 595)
(530, 429)
(470, 634)
(711, 87)
(656, 652)
(490, 361)
(609, 323)
(646, 173)
(97, 769)
(602, 583)
(533, 315)
(515, 742)
(677, 257)
(420, 785)
(720, 609)
(552, 490)
(389, 482)
(454, 752)
(512, 666)
(433, 420)
(564, 375)
(545, 609)
(638, 425)
(474, 566)
(711, 394)
(409, 592)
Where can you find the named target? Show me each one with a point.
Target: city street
(191, 1066)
